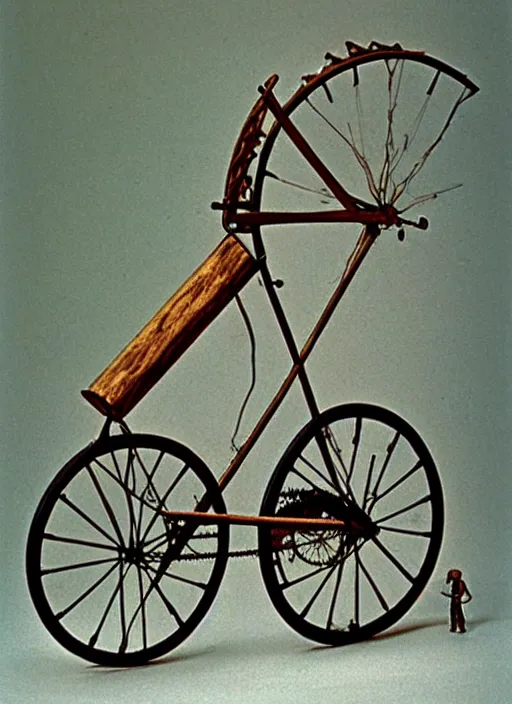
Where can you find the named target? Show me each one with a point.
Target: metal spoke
(106, 505)
(405, 531)
(162, 502)
(144, 626)
(368, 481)
(130, 472)
(122, 605)
(398, 482)
(78, 565)
(85, 517)
(140, 607)
(170, 608)
(157, 541)
(79, 541)
(414, 504)
(94, 638)
(123, 483)
(355, 446)
(336, 450)
(332, 606)
(305, 577)
(316, 471)
(317, 592)
(372, 583)
(86, 593)
(393, 560)
(177, 578)
(389, 453)
(323, 192)
(356, 586)
(149, 485)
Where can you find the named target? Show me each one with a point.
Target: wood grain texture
(129, 377)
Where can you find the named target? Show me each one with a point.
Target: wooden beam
(170, 332)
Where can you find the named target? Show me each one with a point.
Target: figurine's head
(453, 574)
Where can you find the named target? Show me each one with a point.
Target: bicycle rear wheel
(96, 544)
(340, 586)
(375, 119)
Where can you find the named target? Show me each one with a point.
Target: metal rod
(307, 152)
(364, 243)
(363, 217)
(203, 518)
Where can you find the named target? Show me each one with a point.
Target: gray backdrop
(118, 121)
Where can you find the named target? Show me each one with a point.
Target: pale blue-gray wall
(118, 118)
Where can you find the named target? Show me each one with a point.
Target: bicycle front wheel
(338, 586)
(97, 541)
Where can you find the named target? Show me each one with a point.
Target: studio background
(118, 121)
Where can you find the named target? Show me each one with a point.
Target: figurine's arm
(445, 594)
(467, 593)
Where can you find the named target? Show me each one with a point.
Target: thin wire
(321, 192)
(390, 151)
(360, 118)
(352, 144)
(418, 166)
(252, 341)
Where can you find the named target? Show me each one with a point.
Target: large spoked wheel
(341, 586)
(97, 541)
(374, 119)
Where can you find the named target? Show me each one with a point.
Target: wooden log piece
(129, 377)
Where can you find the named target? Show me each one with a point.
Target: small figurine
(458, 591)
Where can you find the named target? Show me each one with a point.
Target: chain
(291, 502)
(201, 556)
(254, 552)
(211, 555)
(198, 556)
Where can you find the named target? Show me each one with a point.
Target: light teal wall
(118, 118)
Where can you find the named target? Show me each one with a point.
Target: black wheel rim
(348, 588)
(96, 543)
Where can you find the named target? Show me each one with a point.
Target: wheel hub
(133, 554)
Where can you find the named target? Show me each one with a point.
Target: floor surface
(244, 653)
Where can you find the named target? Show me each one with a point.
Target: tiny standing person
(458, 591)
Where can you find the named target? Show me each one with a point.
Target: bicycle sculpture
(129, 543)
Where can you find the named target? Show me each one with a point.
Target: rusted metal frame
(287, 334)
(337, 65)
(363, 217)
(204, 503)
(366, 239)
(342, 195)
(357, 516)
(326, 73)
(385, 217)
(203, 518)
(353, 62)
(297, 370)
(178, 542)
(299, 359)
(244, 152)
